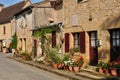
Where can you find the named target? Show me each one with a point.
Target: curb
(70, 76)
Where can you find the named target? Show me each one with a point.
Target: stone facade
(98, 16)
(23, 26)
(7, 27)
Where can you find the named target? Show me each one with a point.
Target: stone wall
(91, 15)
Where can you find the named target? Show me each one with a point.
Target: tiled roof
(7, 13)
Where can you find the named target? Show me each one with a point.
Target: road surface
(13, 70)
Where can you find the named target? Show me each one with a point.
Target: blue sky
(10, 2)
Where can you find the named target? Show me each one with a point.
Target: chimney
(1, 6)
(25, 0)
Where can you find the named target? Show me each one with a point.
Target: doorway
(93, 48)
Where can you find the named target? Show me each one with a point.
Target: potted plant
(74, 50)
(105, 68)
(14, 43)
(100, 66)
(55, 58)
(4, 50)
(118, 69)
(65, 61)
(25, 55)
(113, 68)
(75, 67)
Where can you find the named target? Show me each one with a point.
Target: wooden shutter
(4, 30)
(54, 39)
(82, 42)
(66, 42)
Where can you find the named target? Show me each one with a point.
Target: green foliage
(53, 55)
(24, 53)
(73, 50)
(14, 41)
(66, 57)
(41, 33)
(103, 65)
(100, 64)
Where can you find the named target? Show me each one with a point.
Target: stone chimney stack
(1, 6)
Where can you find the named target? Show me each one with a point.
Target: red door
(93, 48)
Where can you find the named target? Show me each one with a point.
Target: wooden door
(93, 48)
(35, 48)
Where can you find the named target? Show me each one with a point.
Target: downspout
(32, 33)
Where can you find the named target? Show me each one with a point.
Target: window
(82, 1)
(76, 39)
(66, 42)
(79, 41)
(74, 20)
(116, 38)
(79, 1)
(4, 30)
(54, 39)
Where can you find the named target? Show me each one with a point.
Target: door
(35, 48)
(115, 45)
(93, 48)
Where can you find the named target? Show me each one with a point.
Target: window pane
(118, 34)
(118, 42)
(114, 43)
(76, 39)
(93, 43)
(113, 34)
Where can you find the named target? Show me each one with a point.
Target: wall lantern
(90, 17)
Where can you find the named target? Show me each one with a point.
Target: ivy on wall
(41, 33)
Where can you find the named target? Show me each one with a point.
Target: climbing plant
(14, 41)
(41, 33)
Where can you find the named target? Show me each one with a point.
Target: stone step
(93, 72)
(91, 76)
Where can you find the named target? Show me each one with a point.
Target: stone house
(23, 25)
(29, 20)
(6, 21)
(91, 25)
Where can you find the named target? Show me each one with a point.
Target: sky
(10, 2)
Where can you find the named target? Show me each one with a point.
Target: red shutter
(66, 42)
(54, 39)
(82, 42)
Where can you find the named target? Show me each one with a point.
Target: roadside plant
(14, 41)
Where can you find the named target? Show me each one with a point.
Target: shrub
(53, 55)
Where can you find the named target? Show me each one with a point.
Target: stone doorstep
(91, 74)
(88, 75)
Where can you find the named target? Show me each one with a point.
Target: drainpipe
(33, 24)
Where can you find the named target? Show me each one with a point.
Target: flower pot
(76, 69)
(70, 68)
(55, 66)
(100, 70)
(4, 50)
(113, 72)
(106, 71)
(24, 57)
(13, 51)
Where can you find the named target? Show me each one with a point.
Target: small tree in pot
(14, 43)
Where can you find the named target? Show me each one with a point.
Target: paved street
(12, 70)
